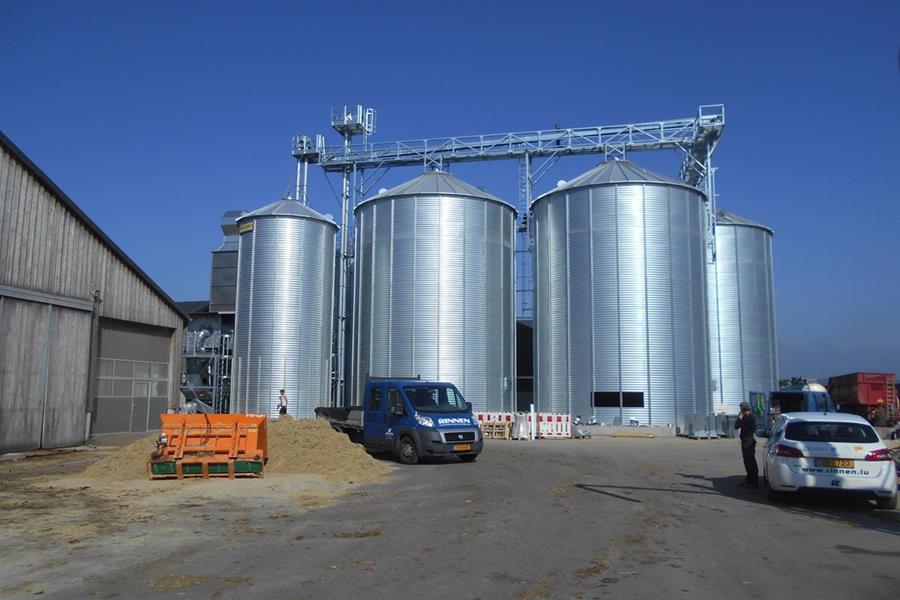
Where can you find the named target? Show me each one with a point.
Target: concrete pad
(635, 432)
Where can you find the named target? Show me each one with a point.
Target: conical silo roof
(437, 183)
(287, 208)
(618, 171)
(728, 218)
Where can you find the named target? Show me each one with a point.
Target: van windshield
(847, 433)
(429, 398)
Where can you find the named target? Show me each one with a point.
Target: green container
(164, 468)
(240, 467)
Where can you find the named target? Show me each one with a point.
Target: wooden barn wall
(46, 247)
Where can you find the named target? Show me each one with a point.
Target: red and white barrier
(552, 425)
(494, 417)
(549, 425)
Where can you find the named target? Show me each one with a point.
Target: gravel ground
(601, 518)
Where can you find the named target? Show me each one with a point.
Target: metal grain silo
(620, 297)
(284, 310)
(434, 288)
(741, 312)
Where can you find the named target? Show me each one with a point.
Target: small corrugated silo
(743, 355)
(284, 310)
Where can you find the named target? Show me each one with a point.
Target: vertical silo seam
(415, 229)
(272, 326)
(354, 342)
(693, 368)
(393, 278)
(740, 309)
(719, 339)
(438, 295)
(618, 305)
(250, 315)
(373, 252)
(672, 300)
(647, 307)
(537, 394)
(484, 232)
(770, 277)
(511, 310)
(593, 304)
(465, 306)
(299, 349)
(568, 307)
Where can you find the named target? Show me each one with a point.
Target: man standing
(282, 402)
(746, 422)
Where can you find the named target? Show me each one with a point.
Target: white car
(829, 451)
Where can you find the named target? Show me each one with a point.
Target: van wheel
(468, 457)
(887, 503)
(406, 451)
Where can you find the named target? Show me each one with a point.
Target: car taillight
(788, 451)
(880, 454)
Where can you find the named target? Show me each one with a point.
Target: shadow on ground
(850, 511)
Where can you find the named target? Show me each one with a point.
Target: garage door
(133, 377)
(43, 374)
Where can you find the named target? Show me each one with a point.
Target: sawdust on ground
(296, 447)
(311, 446)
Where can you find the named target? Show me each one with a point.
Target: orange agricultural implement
(203, 445)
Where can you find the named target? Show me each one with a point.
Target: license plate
(462, 447)
(836, 463)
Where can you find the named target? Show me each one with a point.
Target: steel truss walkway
(696, 137)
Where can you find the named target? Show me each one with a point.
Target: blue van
(411, 419)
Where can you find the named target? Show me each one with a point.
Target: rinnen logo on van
(454, 421)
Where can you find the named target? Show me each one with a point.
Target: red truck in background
(869, 395)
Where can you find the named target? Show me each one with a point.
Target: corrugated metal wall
(435, 295)
(620, 301)
(284, 315)
(48, 252)
(742, 315)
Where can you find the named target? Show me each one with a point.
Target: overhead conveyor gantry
(696, 137)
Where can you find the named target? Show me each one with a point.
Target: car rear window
(811, 431)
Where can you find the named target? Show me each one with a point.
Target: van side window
(375, 400)
(395, 401)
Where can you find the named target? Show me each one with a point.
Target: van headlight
(424, 421)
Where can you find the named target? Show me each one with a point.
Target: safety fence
(520, 426)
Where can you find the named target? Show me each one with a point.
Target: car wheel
(468, 457)
(406, 451)
(887, 503)
(775, 496)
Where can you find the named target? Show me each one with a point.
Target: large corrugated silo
(284, 310)
(434, 288)
(620, 297)
(741, 312)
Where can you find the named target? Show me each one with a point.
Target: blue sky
(157, 117)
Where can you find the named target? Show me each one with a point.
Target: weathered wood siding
(44, 246)
(48, 246)
(43, 374)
